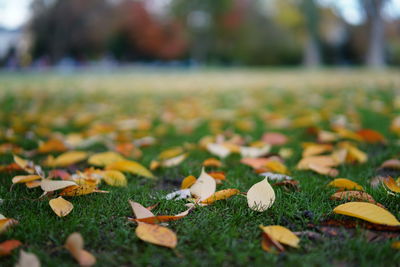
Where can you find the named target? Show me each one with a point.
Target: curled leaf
(368, 212)
(188, 181)
(347, 184)
(204, 186)
(114, 178)
(78, 190)
(282, 235)
(25, 178)
(392, 185)
(51, 185)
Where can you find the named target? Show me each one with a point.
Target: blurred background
(41, 34)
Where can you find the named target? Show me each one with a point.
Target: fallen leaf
(67, 159)
(78, 190)
(257, 163)
(396, 245)
(178, 195)
(8, 246)
(268, 243)
(114, 178)
(218, 150)
(371, 136)
(51, 185)
(204, 186)
(156, 234)
(212, 162)
(222, 194)
(105, 158)
(25, 178)
(282, 235)
(188, 181)
(163, 218)
(276, 166)
(175, 161)
(391, 164)
(391, 184)
(170, 153)
(60, 206)
(368, 212)
(26, 165)
(139, 211)
(326, 161)
(274, 139)
(74, 245)
(315, 149)
(260, 196)
(325, 170)
(131, 167)
(27, 259)
(345, 184)
(52, 145)
(353, 195)
(254, 152)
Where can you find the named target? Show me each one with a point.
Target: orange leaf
(212, 162)
(78, 190)
(188, 182)
(392, 185)
(222, 194)
(7, 246)
(371, 136)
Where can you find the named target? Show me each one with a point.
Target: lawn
(95, 111)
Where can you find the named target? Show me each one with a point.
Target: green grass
(225, 233)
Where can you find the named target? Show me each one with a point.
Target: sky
(14, 13)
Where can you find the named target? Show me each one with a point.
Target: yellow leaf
(68, 158)
(315, 149)
(327, 161)
(50, 185)
(396, 245)
(114, 178)
(204, 186)
(282, 235)
(60, 206)
(74, 244)
(28, 166)
(368, 212)
(105, 158)
(321, 169)
(347, 184)
(188, 182)
(131, 167)
(170, 153)
(212, 162)
(175, 161)
(78, 190)
(25, 178)
(52, 145)
(261, 196)
(222, 194)
(156, 234)
(276, 166)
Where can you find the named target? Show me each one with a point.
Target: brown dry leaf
(163, 218)
(353, 196)
(368, 212)
(392, 185)
(27, 259)
(25, 178)
(51, 185)
(74, 244)
(345, 184)
(52, 145)
(268, 243)
(188, 182)
(204, 186)
(131, 167)
(8, 246)
(282, 235)
(79, 190)
(260, 196)
(156, 234)
(60, 206)
(274, 139)
(114, 178)
(222, 194)
(212, 162)
(67, 159)
(105, 158)
(371, 136)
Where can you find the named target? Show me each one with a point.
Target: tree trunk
(375, 57)
(311, 50)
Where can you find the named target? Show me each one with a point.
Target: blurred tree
(376, 44)
(312, 53)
